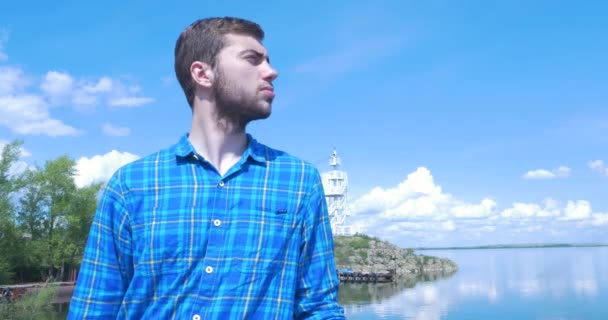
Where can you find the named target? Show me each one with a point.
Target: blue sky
(459, 123)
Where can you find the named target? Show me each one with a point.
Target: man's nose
(270, 73)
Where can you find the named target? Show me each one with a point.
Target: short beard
(234, 110)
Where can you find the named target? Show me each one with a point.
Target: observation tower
(335, 185)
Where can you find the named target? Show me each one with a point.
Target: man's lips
(269, 91)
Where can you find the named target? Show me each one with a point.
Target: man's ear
(202, 74)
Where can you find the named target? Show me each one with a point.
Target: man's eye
(252, 59)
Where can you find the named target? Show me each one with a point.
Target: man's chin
(265, 110)
(263, 115)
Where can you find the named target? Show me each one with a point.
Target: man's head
(225, 58)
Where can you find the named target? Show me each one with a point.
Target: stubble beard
(234, 109)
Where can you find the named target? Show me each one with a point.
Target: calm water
(548, 284)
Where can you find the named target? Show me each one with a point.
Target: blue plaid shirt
(173, 239)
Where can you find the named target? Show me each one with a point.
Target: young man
(218, 226)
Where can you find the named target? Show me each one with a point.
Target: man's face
(243, 89)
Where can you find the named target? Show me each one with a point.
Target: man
(218, 226)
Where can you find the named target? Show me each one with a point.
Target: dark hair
(202, 41)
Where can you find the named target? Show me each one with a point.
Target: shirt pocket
(265, 238)
(165, 261)
(166, 245)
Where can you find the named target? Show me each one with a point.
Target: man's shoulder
(159, 157)
(143, 166)
(284, 159)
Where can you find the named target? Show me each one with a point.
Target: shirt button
(209, 269)
(217, 222)
(221, 184)
(196, 317)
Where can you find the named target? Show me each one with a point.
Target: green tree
(33, 204)
(57, 215)
(10, 183)
(31, 216)
(59, 187)
(79, 218)
(44, 218)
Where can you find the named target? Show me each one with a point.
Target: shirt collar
(256, 151)
(183, 148)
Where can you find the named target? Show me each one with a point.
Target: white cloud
(57, 84)
(86, 95)
(448, 225)
(574, 210)
(598, 166)
(28, 114)
(417, 184)
(550, 209)
(115, 131)
(129, 101)
(12, 80)
(419, 198)
(101, 167)
(481, 210)
(114, 92)
(24, 152)
(521, 210)
(560, 172)
(578, 210)
(420, 207)
(418, 212)
(539, 174)
(61, 87)
(408, 225)
(600, 219)
(104, 84)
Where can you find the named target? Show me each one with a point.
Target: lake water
(543, 283)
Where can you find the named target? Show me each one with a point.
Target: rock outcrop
(364, 253)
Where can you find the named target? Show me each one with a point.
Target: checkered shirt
(173, 239)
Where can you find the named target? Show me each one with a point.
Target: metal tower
(335, 185)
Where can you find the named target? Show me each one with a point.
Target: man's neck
(219, 143)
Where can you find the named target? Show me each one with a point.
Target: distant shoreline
(519, 246)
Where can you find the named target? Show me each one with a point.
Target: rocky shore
(364, 253)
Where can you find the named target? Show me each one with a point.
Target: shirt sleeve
(107, 265)
(317, 282)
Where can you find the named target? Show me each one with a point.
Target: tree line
(44, 218)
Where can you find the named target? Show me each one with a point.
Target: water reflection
(494, 284)
(356, 293)
(530, 272)
(414, 297)
(401, 300)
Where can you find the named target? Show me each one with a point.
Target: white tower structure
(335, 185)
